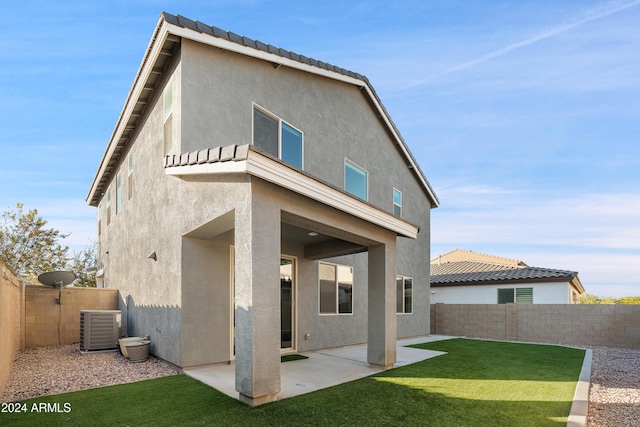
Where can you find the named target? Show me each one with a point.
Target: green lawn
(477, 383)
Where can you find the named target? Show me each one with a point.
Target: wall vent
(100, 329)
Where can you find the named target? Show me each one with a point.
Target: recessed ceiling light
(312, 233)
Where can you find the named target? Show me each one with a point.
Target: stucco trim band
(262, 167)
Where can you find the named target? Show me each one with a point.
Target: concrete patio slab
(323, 368)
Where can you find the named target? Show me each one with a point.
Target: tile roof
(209, 155)
(478, 272)
(183, 22)
(467, 255)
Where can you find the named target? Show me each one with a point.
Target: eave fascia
(513, 281)
(577, 284)
(232, 46)
(152, 52)
(272, 171)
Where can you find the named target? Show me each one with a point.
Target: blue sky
(523, 115)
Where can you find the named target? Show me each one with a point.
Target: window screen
(291, 145)
(327, 288)
(265, 132)
(524, 295)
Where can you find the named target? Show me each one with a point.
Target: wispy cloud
(589, 221)
(589, 15)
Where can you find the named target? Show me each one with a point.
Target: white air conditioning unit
(100, 329)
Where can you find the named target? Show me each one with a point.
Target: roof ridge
(473, 256)
(489, 255)
(214, 31)
(435, 262)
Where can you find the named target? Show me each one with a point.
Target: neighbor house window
(524, 295)
(355, 180)
(167, 117)
(336, 288)
(404, 294)
(278, 138)
(118, 193)
(397, 202)
(517, 295)
(130, 176)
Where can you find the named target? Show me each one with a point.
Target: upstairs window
(130, 176)
(167, 117)
(278, 138)
(108, 205)
(355, 180)
(397, 202)
(118, 193)
(99, 217)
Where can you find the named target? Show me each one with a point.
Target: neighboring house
(466, 277)
(253, 201)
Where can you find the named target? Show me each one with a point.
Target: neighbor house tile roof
(461, 272)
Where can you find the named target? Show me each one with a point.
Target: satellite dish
(57, 279)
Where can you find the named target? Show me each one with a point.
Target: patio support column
(381, 347)
(257, 300)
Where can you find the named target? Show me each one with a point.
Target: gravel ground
(51, 370)
(614, 397)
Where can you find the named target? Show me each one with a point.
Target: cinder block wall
(11, 321)
(615, 325)
(48, 323)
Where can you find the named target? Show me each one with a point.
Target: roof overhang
(577, 284)
(169, 30)
(510, 281)
(264, 167)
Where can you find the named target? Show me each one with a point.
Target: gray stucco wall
(219, 90)
(172, 299)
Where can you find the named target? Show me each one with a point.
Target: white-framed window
(99, 218)
(397, 202)
(167, 116)
(130, 176)
(404, 295)
(335, 288)
(108, 205)
(277, 137)
(517, 295)
(118, 193)
(355, 180)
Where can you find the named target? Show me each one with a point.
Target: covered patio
(231, 272)
(323, 368)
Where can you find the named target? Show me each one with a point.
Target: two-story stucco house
(253, 201)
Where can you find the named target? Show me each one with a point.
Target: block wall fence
(609, 325)
(11, 321)
(30, 317)
(49, 323)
